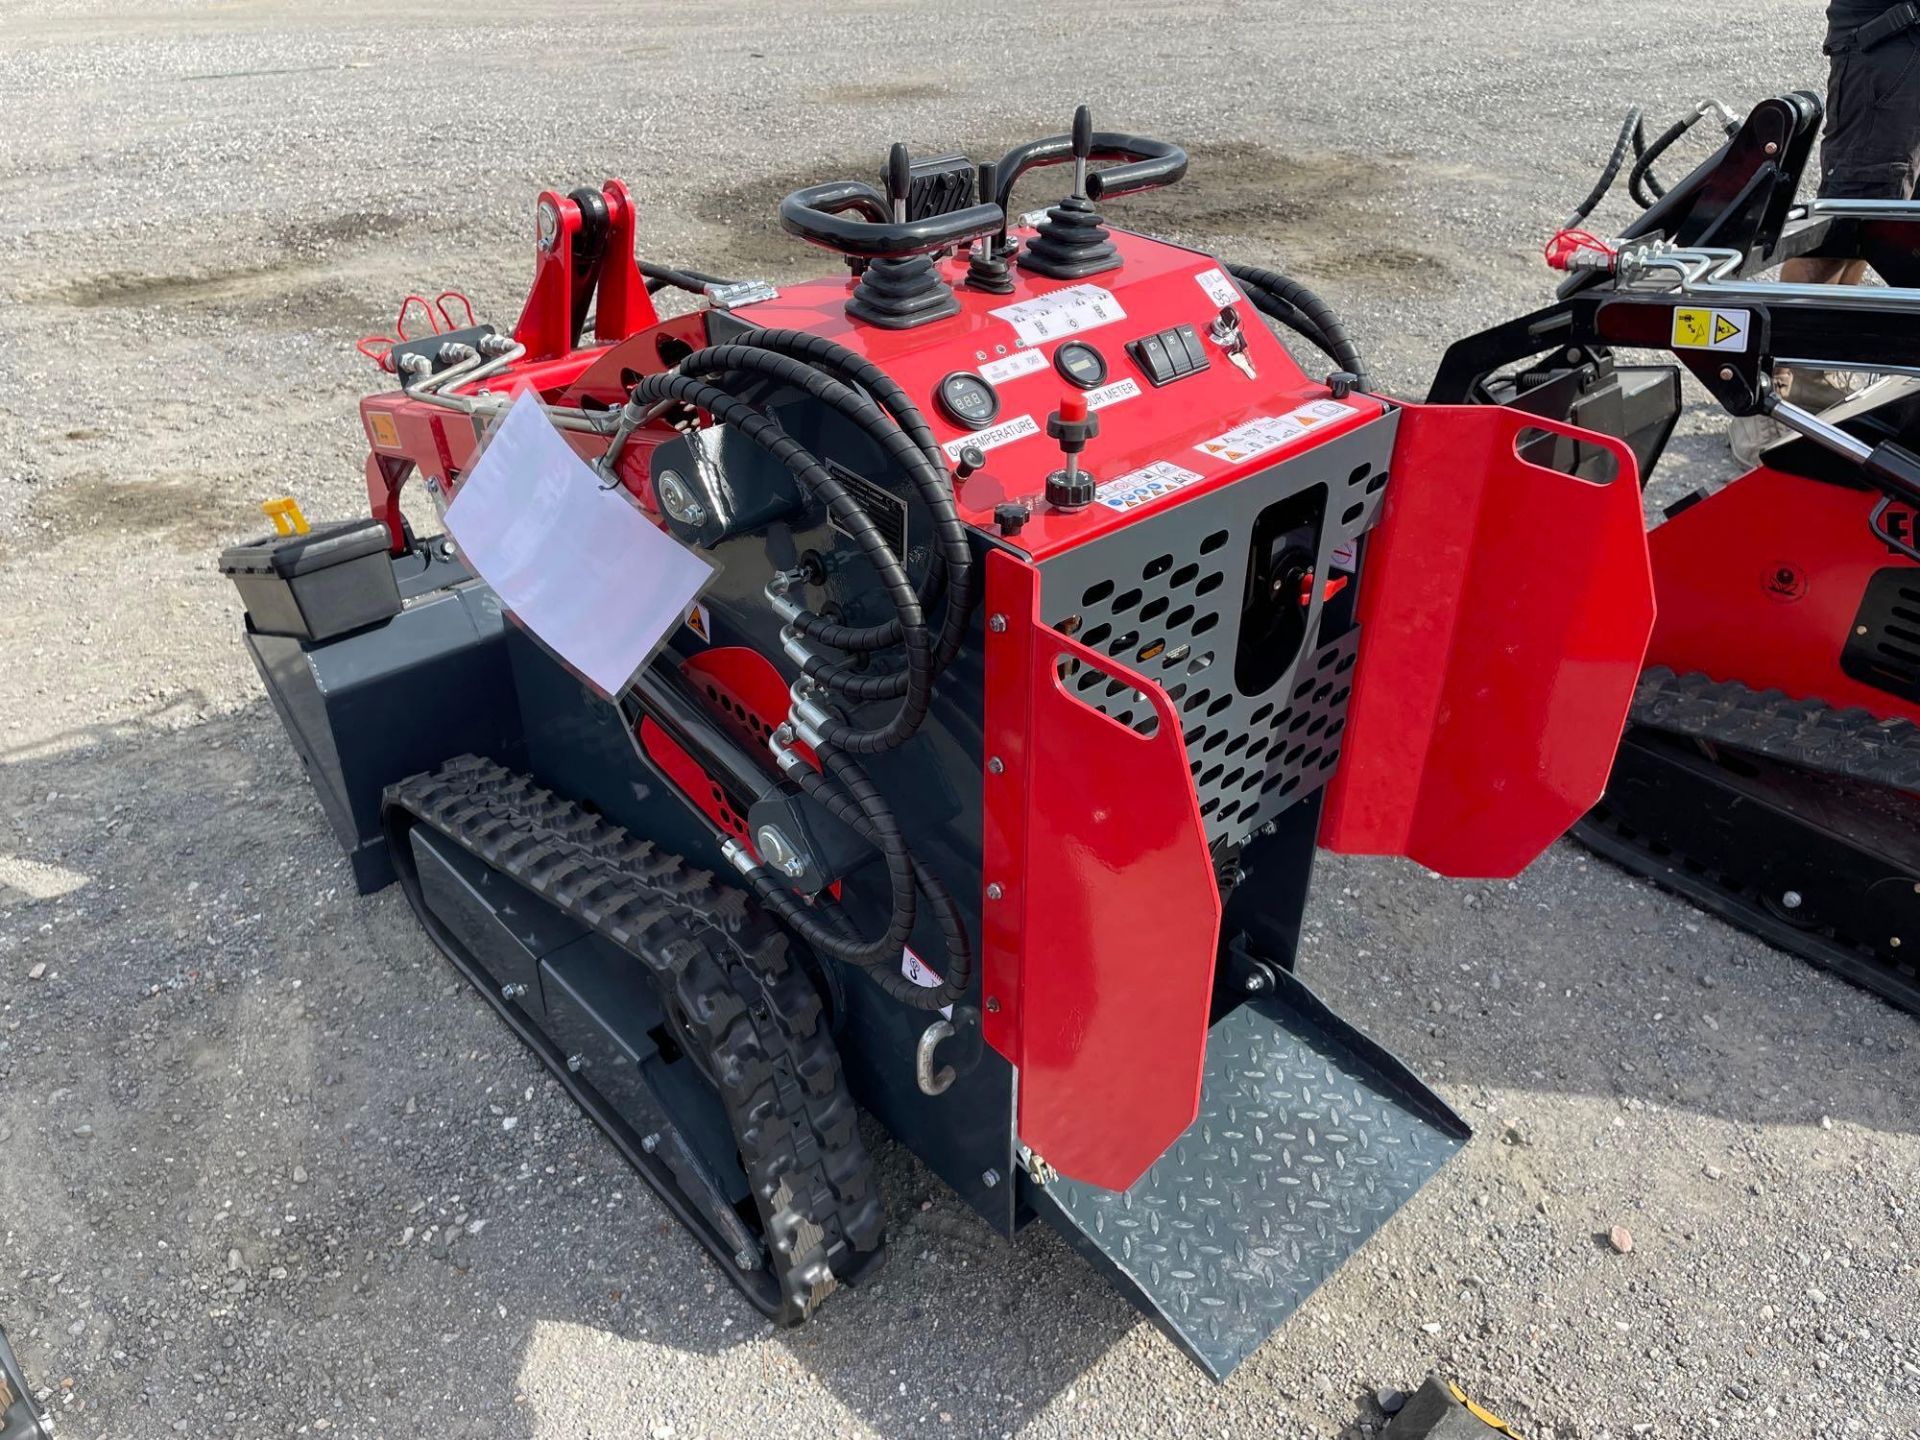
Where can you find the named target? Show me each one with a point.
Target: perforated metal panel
(1164, 596)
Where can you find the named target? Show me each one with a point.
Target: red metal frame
(1101, 918)
(1505, 610)
(1760, 583)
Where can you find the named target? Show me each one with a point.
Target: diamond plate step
(1309, 1137)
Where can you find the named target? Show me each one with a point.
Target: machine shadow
(212, 886)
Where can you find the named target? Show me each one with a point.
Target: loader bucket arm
(1505, 609)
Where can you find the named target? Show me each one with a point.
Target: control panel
(1170, 355)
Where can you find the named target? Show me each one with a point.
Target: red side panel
(1097, 955)
(1506, 610)
(1761, 581)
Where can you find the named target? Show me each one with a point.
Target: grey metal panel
(1179, 578)
(1309, 1137)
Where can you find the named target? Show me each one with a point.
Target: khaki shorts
(1871, 148)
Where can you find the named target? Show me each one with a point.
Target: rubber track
(1850, 742)
(725, 959)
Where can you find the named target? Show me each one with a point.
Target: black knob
(1070, 489)
(1011, 516)
(899, 180)
(1342, 383)
(971, 459)
(1082, 132)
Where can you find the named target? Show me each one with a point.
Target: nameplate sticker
(1256, 437)
(1137, 487)
(1069, 311)
(1112, 394)
(1022, 362)
(993, 437)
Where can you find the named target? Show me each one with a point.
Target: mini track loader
(1053, 614)
(1770, 771)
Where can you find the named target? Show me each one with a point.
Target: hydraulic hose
(882, 952)
(1633, 136)
(1290, 302)
(951, 543)
(853, 519)
(1641, 182)
(856, 370)
(957, 973)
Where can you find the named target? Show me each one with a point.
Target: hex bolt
(1791, 900)
(994, 892)
(649, 1143)
(1256, 982)
(576, 1063)
(512, 992)
(746, 1260)
(997, 766)
(997, 624)
(993, 1004)
(990, 1178)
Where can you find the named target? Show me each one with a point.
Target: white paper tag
(1255, 437)
(1112, 394)
(1070, 311)
(1021, 362)
(579, 566)
(1005, 433)
(1137, 487)
(1219, 288)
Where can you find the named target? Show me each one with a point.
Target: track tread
(1852, 742)
(726, 962)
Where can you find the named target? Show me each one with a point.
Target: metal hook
(930, 1081)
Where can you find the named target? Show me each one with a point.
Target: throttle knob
(1073, 425)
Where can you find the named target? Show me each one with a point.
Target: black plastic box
(332, 580)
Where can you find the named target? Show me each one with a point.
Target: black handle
(818, 214)
(1147, 163)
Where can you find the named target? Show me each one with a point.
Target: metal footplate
(1309, 1137)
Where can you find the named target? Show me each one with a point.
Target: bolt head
(1256, 983)
(994, 892)
(993, 1004)
(997, 624)
(990, 1178)
(1792, 900)
(746, 1260)
(996, 766)
(547, 224)
(649, 1143)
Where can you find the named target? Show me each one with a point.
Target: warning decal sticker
(1699, 329)
(1256, 437)
(1130, 491)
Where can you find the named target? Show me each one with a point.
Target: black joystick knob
(1073, 425)
(899, 293)
(1072, 243)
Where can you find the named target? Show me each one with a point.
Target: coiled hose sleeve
(935, 492)
(881, 954)
(957, 972)
(853, 520)
(1296, 303)
(856, 370)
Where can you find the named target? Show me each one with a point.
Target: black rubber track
(725, 962)
(1807, 733)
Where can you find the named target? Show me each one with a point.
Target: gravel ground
(269, 1171)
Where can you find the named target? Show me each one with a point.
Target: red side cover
(1505, 611)
(1101, 913)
